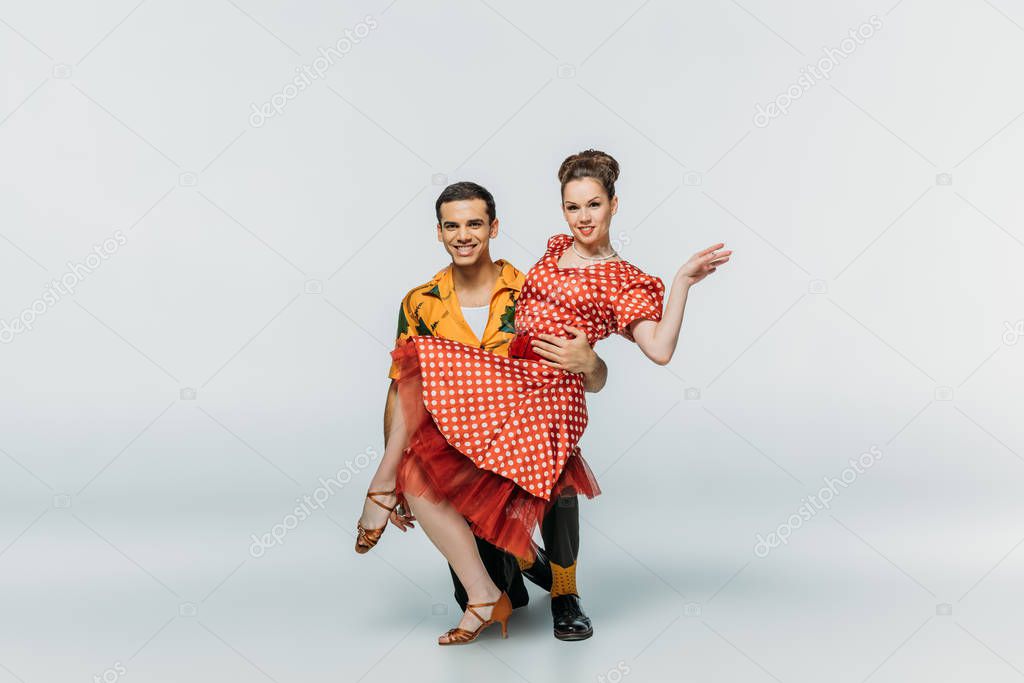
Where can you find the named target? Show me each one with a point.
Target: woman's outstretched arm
(658, 340)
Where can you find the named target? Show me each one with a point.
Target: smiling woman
(588, 204)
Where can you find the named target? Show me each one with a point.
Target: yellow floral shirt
(433, 309)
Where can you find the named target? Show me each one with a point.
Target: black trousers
(560, 530)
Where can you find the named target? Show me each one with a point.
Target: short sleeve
(640, 299)
(406, 329)
(557, 244)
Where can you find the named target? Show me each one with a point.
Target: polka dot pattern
(516, 417)
(601, 299)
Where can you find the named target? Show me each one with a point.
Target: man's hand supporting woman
(574, 354)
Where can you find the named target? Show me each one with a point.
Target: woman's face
(588, 210)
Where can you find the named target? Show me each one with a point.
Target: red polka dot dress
(498, 436)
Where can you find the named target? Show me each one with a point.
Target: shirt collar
(444, 281)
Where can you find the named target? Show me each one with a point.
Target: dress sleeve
(640, 299)
(557, 244)
(406, 329)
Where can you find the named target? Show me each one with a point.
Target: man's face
(465, 230)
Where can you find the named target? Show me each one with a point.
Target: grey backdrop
(225, 352)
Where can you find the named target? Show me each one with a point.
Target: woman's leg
(451, 534)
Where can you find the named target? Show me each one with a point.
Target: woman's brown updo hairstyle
(590, 163)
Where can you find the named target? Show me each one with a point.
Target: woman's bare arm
(658, 340)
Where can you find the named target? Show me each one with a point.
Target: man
(473, 301)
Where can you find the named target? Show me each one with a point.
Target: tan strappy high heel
(500, 614)
(368, 538)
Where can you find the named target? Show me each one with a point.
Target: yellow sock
(563, 580)
(524, 564)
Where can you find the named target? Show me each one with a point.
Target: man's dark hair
(462, 191)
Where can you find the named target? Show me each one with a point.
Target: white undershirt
(477, 317)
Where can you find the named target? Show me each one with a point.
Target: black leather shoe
(570, 621)
(540, 572)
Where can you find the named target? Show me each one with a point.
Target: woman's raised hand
(703, 263)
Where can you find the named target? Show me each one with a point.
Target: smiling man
(473, 301)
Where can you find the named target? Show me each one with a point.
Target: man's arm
(401, 518)
(595, 378)
(573, 355)
(407, 322)
(389, 407)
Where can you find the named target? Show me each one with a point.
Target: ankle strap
(371, 494)
(469, 608)
(484, 604)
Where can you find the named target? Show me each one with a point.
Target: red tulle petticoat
(498, 510)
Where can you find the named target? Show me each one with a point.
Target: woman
(493, 440)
